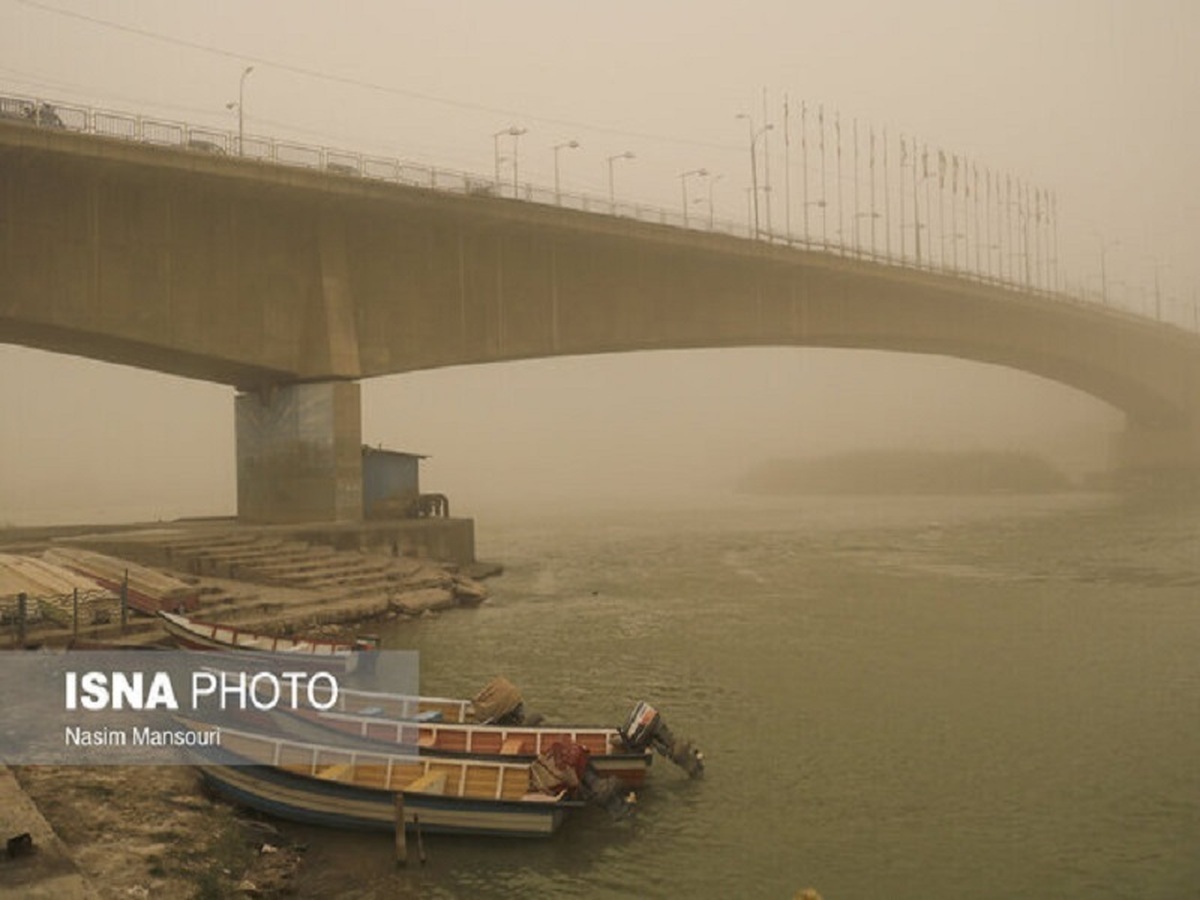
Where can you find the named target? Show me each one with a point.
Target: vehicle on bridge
(38, 113)
(205, 146)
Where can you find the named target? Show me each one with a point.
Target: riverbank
(142, 832)
(34, 862)
(146, 832)
(255, 578)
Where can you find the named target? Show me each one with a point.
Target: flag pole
(975, 201)
(917, 202)
(767, 162)
(857, 242)
(837, 130)
(887, 202)
(787, 171)
(903, 243)
(804, 163)
(874, 247)
(954, 213)
(824, 192)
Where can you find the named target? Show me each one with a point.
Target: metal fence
(1049, 283)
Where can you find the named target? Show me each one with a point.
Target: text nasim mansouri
(145, 736)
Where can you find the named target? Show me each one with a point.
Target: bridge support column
(1151, 455)
(299, 453)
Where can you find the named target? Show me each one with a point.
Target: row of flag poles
(923, 205)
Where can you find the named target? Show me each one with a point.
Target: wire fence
(1044, 280)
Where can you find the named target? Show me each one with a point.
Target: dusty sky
(1096, 99)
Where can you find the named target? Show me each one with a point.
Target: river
(924, 698)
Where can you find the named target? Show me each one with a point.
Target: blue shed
(391, 483)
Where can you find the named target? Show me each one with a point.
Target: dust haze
(1094, 99)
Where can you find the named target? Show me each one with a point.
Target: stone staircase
(267, 582)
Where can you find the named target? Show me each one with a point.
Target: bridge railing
(1045, 281)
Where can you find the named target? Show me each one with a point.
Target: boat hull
(455, 741)
(314, 802)
(205, 636)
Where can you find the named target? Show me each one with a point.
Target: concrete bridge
(292, 284)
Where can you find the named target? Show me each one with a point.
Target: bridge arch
(164, 259)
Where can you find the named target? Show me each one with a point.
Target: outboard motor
(646, 728)
(366, 654)
(568, 766)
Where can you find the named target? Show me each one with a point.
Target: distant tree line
(906, 472)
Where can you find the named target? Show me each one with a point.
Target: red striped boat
(607, 750)
(309, 652)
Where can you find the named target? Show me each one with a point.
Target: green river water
(924, 698)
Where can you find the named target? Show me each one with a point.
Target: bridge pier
(299, 453)
(1153, 454)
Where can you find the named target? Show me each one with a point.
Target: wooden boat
(607, 751)
(311, 653)
(342, 788)
(448, 727)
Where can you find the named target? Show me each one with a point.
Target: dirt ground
(152, 831)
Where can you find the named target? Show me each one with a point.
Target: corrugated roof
(369, 449)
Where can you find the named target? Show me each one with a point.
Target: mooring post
(21, 600)
(125, 601)
(401, 837)
(420, 843)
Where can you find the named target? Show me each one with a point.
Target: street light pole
(612, 194)
(242, 106)
(711, 181)
(683, 177)
(570, 145)
(1104, 269)
(515, 133)
(754, 135)
(1158, 267)
(753, 175)
(496, 154)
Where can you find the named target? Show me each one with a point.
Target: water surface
(931, 698)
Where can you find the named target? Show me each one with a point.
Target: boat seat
(513, 747)
(427, 740)
(336, 772)
(429, 783)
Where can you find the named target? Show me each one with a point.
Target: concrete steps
(257, 580)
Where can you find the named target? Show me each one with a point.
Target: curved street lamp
(711, 181)
(514, 132)
(754, 136)
(241, 105)
(569, 145)
(612, 197)
(238, 105)
(1105, 246)
(683, 177)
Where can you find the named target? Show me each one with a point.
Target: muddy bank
(149, 832)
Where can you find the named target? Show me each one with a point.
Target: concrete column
(299, 453)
